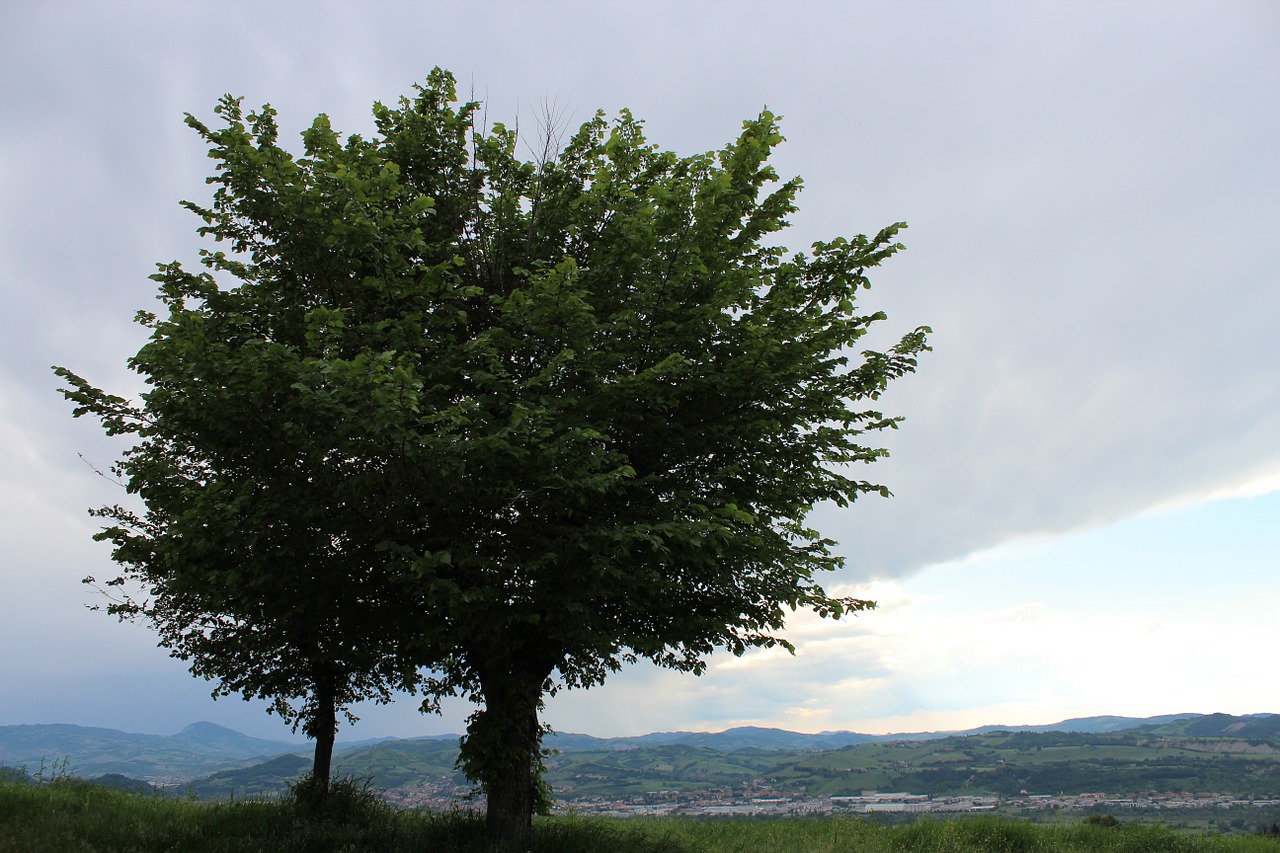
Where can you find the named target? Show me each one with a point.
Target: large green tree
(551, 415)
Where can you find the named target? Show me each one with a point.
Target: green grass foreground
(71, 815)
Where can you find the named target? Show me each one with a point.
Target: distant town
(758, 799)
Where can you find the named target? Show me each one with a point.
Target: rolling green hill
(1214, 753)
(198, 750)
(1042, 763)
(395, 763)
(270, 778)
(1151, 758)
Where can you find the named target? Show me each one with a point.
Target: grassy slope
(76, 816)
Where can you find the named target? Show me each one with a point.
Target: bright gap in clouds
(1173, 611)
(1164, 613)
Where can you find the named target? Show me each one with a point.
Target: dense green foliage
(77, 816)
(514, 422)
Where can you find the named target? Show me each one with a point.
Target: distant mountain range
(197, 750)
(219, 758)
(754, 737)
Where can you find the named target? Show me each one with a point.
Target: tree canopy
(439, 416)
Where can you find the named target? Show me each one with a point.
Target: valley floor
(765, 801)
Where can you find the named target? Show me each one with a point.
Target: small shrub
(348, 801)
(56, 770)
(1102, 820)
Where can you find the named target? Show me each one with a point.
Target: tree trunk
(323, 727)
(509, 805)
(502, 752)
(320, 767)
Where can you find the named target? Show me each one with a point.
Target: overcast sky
(1087, 487)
